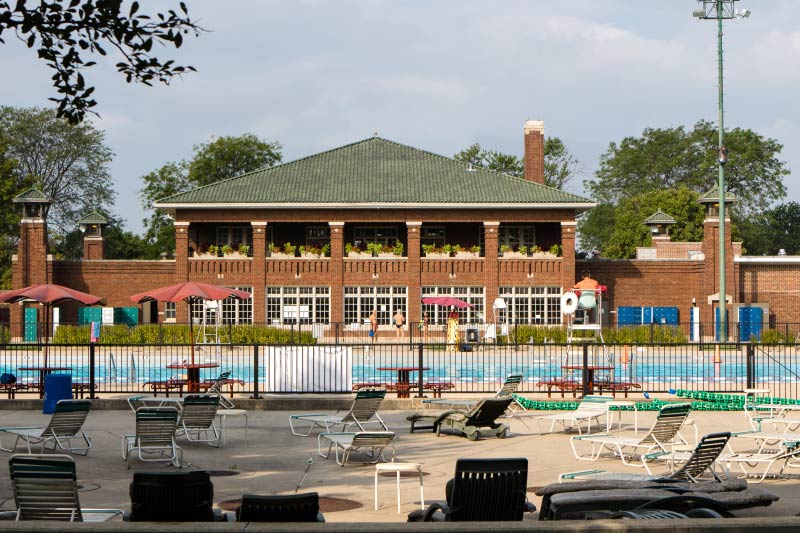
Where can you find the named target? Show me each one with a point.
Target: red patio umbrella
(189, 292)
(446, 301)
(49, 294)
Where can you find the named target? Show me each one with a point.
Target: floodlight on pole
(720, 10)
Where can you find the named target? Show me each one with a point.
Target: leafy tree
(119, 244)
(629, 232)
(68, 162)
(559, 165)
(10, 186)
(63, 33)
(219, 159)
(775, 229)
(666, 158)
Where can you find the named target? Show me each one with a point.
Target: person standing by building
(423, 327)
(398, 321)
(452, 330)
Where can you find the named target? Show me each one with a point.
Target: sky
(439, 75)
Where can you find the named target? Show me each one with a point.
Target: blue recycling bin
(56, 387)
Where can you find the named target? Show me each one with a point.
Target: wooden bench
(560, 385)
(616, 386)
(438, 386)
(79, 389)
(167, 386)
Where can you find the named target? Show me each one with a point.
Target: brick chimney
(534, 150)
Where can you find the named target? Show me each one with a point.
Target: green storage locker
(128, 316)
(87, 315)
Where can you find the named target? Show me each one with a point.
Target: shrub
(179, 334)
(772, 336)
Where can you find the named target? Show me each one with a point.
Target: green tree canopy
(773, 230)
(64, 33)
(670, 157)
(559, 165)
(219, 159)
(628, 230)
(10, 186)
(68, 162)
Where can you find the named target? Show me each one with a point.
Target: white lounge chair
(196, 421)
(45, 488)
(787, 454)
(155, 434)
(364, 409)
(592, 407)
(65, 426)
(226, 406)
(373, 442)
(662, 437)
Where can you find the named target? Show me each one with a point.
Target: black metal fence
(264, 369)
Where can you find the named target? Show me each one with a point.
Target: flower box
(437, 255)
(389, 255)
(514, 255)
(467, 255)
(309, 255)
(359, 255)
(281, 255)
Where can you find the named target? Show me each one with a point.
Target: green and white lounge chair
(481, 420)
(662, 437)
(364, 409)
(65, 426)
(155, 434)
(373, 442)
(787, 454)
(694, 464)
(508, 389)
(592, 407)
(45, 488)
(197, 417)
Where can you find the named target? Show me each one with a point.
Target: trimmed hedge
(658, 334)
(179, 334)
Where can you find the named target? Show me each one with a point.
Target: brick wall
(778, 284)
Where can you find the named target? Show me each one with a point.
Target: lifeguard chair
(583, 311)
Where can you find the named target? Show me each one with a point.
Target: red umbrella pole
(191, 328)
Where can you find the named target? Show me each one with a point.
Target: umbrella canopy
(190, 292)
(47, 293)
(446, 301)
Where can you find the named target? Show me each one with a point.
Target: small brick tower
(92, 227)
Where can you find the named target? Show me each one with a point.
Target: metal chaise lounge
(364, 409)
(372, 443)
(226, 406)
(665, 433)
(693, 464)
(65, 426)
(173, 497)
(486, 490)
(45, 487)
(787, 454)
(288, 508)
(196, 421)
(155, 434)
(508, 389)
(481, 420)
(592, 407)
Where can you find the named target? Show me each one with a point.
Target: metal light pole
(720, 10)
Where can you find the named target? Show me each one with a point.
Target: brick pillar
(337, 271)
(414, 272)
(491, 268)
(710, 248)
(534, 151)
(93, 248)
(30, 267)
(259, 272)
(181, 266)
(568, 276)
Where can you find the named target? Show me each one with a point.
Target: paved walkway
(273, 461)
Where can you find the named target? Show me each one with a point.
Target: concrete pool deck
(273, 460)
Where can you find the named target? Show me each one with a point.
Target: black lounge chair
(483, 490)
(291, 508)
(172, 497)
(471, 424)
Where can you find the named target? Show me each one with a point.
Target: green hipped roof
(369, 172)
(93, 217)
(712, 196)
(659, 217)
(32, 196)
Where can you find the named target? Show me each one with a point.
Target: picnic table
(403, 377)
(589, 377)
(43, 371)
(192, 373)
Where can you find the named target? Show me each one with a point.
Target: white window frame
(539, 305)
(360, 301)
(369, 234)
(311, 303)
(226, 235)
(475, 295)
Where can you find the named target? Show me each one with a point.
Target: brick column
(181, 266)
(710, 248)
(491, 268)
(337, 271)
(259, 272)
(30, 267)
(568, 254)
(414, 310)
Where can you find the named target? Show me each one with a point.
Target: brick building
(382, 225)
